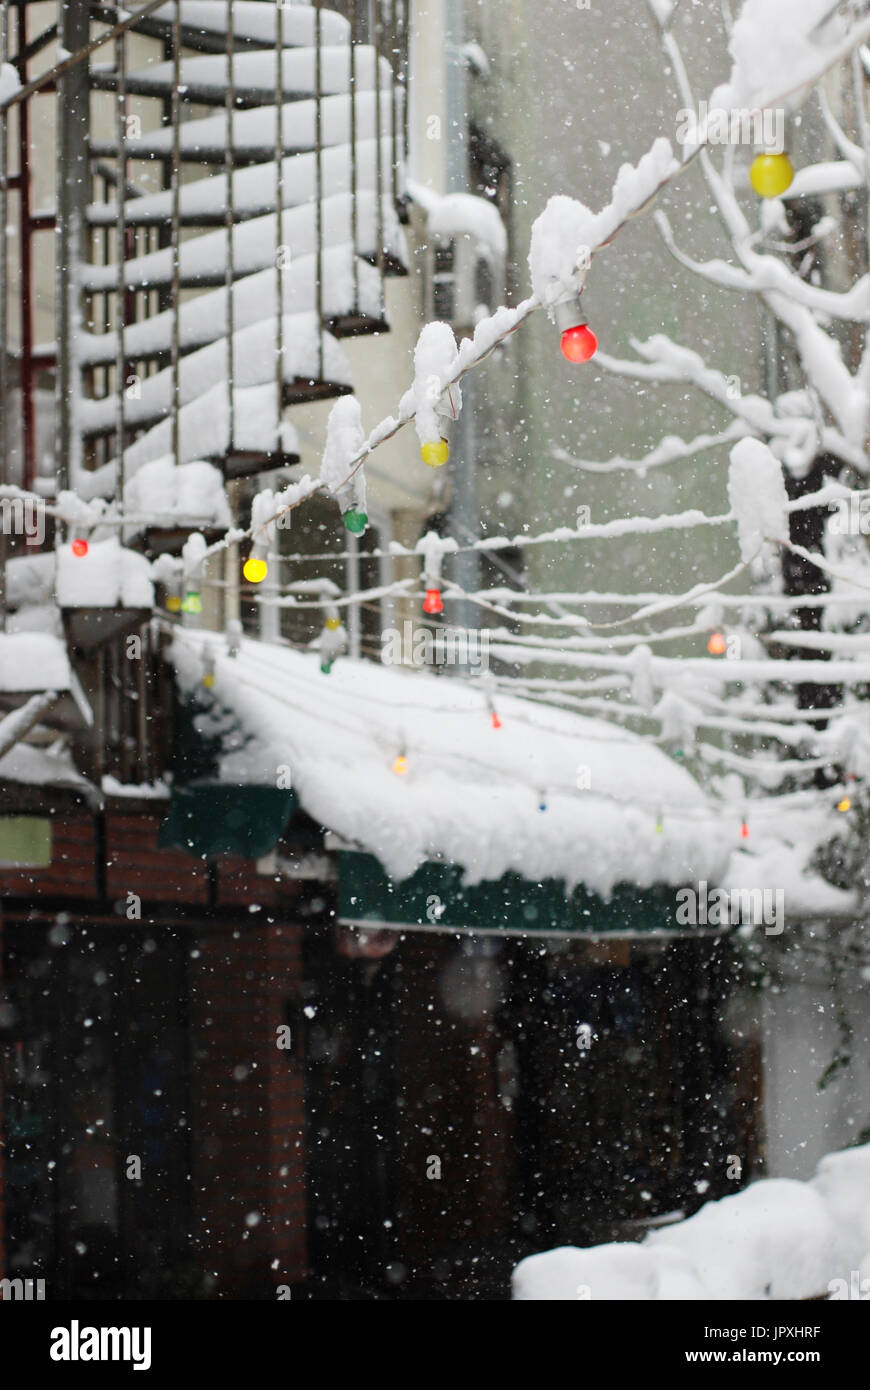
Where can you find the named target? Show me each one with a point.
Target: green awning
(434, 899)
(213, 818)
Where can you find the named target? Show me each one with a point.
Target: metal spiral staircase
(229, 180)
(201, 185)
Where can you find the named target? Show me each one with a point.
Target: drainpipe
(463, 513)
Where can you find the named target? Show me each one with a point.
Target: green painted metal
(208, 819)
(434, 898)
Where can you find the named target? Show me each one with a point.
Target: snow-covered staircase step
(203, 203)
(255, 130)
(204, 320)
(203, 259)
(254, 350)
(204, 433)
(205, 79)
(205, 24)
(316, 273)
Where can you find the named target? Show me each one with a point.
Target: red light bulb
(433, 602)
(579, 343)
(495, 721)
(744, 831)
(79, 547)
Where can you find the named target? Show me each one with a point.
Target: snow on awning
(33, 662)
(618, 811)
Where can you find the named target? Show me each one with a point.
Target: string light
(578, 342)
(771, 174)
(400, 766)
(355, 521)
(717, 645)
(435, 452)
(433, 602)
(79, 547)
(744, 830)
(255, 569)
(845, 804)
(494, 720)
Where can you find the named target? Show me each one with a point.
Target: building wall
(236, 1093)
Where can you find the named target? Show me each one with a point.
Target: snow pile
(32, 661)
(345, 438)
(169, 495)
(109, 576)
(436, 359)
(10, 82)
(779, 47)
(756, 491)
(30, 579)
(43, 767)
(566, 233)
(463, 214)
(776, 1239)
(472, 793)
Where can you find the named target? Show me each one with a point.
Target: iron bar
(122, 110)
(318, 189)
(279, 222)
(4, 324)
(229, 269)
(379, 158)
(83, 51)
(28, 405)
(176, 232)
(354, 211)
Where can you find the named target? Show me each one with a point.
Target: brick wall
(247, 1107)
(2, 1130)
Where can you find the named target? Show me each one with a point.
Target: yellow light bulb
(771, 174)
(255, 569)
(400, 766)
(436, 452)
(845, 804)
(173, 603)
(333, 624)
(208, 680)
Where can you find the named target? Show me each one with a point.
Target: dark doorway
(472, 1101)
(96, 1076)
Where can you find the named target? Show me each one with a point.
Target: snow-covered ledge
(776, 1240)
